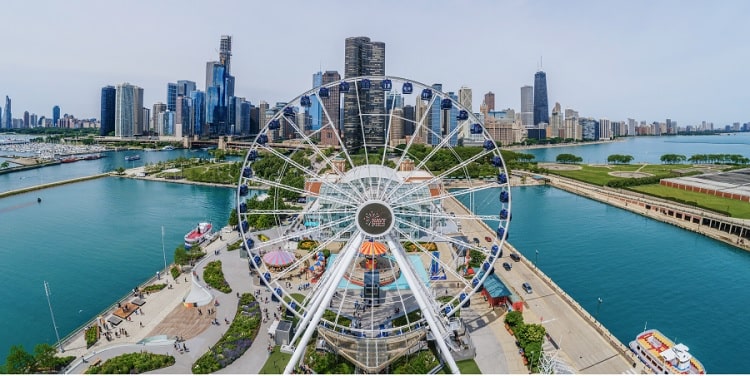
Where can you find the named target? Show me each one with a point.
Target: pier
(53, 184)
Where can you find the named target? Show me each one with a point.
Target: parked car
(527, 287)
(515, 257)
(507, 266)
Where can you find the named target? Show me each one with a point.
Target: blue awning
(495, 287)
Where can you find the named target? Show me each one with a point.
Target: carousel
(373, 257)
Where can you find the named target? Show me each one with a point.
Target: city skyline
(659, 60)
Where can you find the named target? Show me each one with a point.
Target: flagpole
(46, 292)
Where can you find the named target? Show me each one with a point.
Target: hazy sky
(645, 59)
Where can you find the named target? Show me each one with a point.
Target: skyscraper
(219, 88)
(435, 119)
(25, 119)
(330, 119)
(55, 116)
(225, 52)
(198, 113)
(527, 106)
(7, 116)
(156, 117)
(171, 96)
(489, 101)
(107, 120)
(316, 111)
(185, 87)
(128, 110)
(465, 97)
(541, 109)
(364, 58)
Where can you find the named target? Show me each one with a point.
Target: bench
(96, 362)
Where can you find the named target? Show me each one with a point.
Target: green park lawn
(276, 362)
(735, 208)
(599, 174)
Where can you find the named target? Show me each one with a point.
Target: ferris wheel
(348, 202)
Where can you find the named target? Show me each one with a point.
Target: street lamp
(599, 304)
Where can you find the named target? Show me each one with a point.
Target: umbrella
(278, 258)
(317, 263)
(321, 258)
(312, 268)
(372, 249)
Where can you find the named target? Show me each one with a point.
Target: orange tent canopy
(372, 249)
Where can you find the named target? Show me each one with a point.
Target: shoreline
(560, 145)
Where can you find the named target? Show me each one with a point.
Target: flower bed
(307, 244)
(263, 238)
(154, 287)
(132, 363)
(214, 277)
(411, 247)
(235, 341)
(92, 335)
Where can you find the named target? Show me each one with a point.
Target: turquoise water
(692, 288)
(399, 284)
(92, 242)
(650, 149)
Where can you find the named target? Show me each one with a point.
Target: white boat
(168, 147)
(198, 234)
(661, 354)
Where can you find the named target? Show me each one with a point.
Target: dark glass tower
(364, 58)
(171, 96)
(107, 119)
(55, 115)
(8, 120)
(541, 109)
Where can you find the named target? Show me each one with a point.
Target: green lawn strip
(139, 362)
(223, 173)
(733, 208)
(214, 277)
(275, 363)
(235, 341)
(234, 246)
(418, 363)
(467, 367)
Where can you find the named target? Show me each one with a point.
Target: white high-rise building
(128, 110)
(527, 106)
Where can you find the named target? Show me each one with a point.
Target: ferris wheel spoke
(405, 153)
(317, 151)
(443, 195)
(443, 237)
(446, 216)
(447, 268)
(308, 231)
(303, 169)
(283, 212)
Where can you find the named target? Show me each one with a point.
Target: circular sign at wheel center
(375, 218)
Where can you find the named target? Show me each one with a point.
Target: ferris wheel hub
(375, 218)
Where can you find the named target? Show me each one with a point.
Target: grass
(214, 277)
(599, 174)
(275, 363)
(734, 208)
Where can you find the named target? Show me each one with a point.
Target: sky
(642, 59)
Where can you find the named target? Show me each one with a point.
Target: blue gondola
(448, 309)
(243, 207)
(386, 85)
(275, 297)
(344, 87)
(446, 104)
(497, 161)
(323, 92)
(462, 115)
(474, 282)
(426, 94)
(504, 197)
(262, 139)
(502, 178)
(364, 84)
(250, 243)
(247, 172)
(243, 190)
(494, 249)
(252, 155)
(304, 101)
(258, 261)
(462, 297)
(504, 214)
(500, 232)
(488, 145)
(289, 111)
(274, 124)
(486, 266)
(407, 88)
(245, 226)
(476, 128)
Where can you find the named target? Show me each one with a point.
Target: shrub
(235, 341)
(175, 271)
(307, 244)
(132, 363)
(214, 277)
(184, 256)
(92, 335)
(154, 287)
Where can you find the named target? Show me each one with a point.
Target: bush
(214, 277)
(184, 256)
(175, 271)
(235, 246)
(235, 341)
(92, 335)
(154, 287)
(307, 244)
(132, 363)
(417, 364)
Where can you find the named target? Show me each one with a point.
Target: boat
(133, 157)
(92, 157)
(198, 234)
(168, 147)
(69, 159)
(662, 355)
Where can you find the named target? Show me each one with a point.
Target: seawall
(50, 185)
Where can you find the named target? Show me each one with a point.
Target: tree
(619, 159)
(19, 361)
(672, 158)
(233, 220)
(44, 355)
(4, 164)
(120, 170)
(568, 158)
(514, 318)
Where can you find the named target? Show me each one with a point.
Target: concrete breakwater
(50, 185)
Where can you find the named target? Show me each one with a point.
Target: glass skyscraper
(171, 96)
(8, 118)
(55, 115)
(199, 112)
(541, 108)
(436, 130)
(316, 111)
(128, 110)
(364, 58)
(107, 120)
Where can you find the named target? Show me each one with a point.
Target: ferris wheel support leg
(346, 259)
(427, 312)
